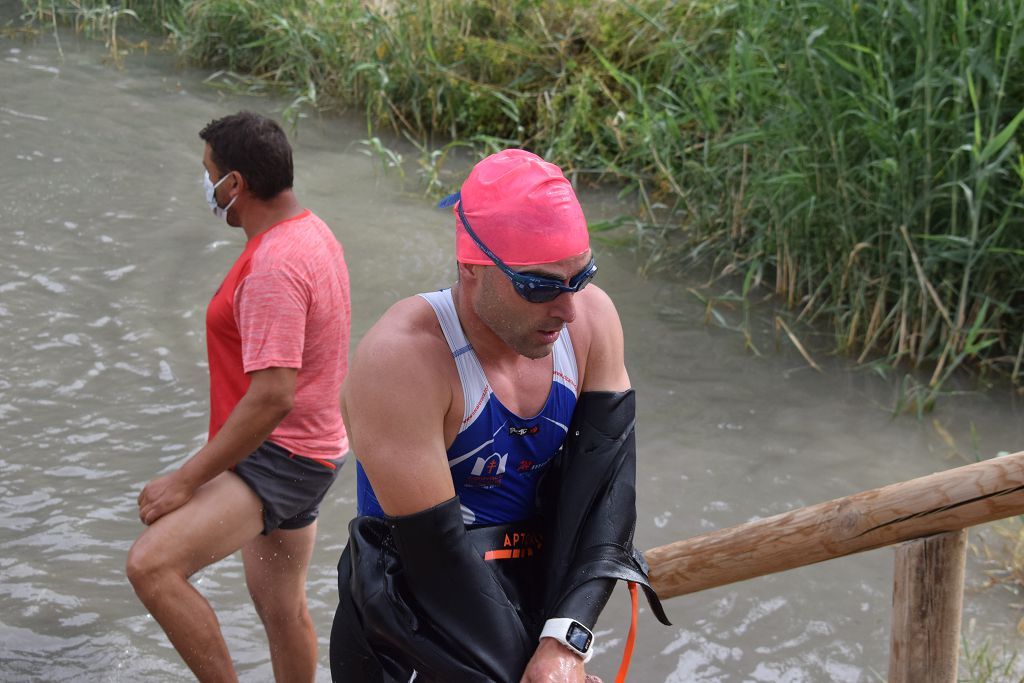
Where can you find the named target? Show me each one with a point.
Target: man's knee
(280, 608)
(141, 569)
(147, 569)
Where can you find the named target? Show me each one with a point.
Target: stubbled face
(529, 329)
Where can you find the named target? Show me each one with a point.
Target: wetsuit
(497, 457)
(454, 593)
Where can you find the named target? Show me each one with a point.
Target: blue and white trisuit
(497, 457)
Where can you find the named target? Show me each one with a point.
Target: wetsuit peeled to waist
(417, 597)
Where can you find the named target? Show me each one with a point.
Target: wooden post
(927, 600)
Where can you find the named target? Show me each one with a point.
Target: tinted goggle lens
(540, 290)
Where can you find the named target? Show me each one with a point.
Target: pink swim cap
(523, 209)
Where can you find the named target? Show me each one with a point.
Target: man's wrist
(572, 634)
(192, 474)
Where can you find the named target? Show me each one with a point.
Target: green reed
(987, 663)
(100, 18)
(879, 183)
(862, 160)
(983, 661)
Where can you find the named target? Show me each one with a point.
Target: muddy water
(108, 258)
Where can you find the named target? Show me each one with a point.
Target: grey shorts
(290, 486)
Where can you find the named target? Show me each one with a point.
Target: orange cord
(627, 654)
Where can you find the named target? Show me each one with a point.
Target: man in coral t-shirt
(277, 332)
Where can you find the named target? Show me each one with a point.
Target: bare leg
(217, 521)
(275, 571)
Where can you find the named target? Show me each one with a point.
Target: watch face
(579, 637)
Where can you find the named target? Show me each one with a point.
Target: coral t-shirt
(285, 303)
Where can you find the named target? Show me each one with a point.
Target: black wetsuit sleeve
(453, 588)
(417, 600)
(585, 602)
(592, 510)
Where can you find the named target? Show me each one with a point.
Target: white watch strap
(561, 629)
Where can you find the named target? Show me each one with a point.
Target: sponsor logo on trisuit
(523, 431)
(517, 544)
(487, 472)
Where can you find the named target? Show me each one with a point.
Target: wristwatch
(572, 634)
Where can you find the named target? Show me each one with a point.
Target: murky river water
(108, 256)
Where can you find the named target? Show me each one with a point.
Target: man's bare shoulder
(596, 315)
(406, 336)
(408, 318)
(597, 301)
(598, 341)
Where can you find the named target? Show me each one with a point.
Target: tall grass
(860, 159)
(102, 19)
(987, 663)
(885, 192)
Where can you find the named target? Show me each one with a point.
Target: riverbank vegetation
(860, 160)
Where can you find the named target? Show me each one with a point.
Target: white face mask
(211, 197)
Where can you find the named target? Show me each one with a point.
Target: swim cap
(523, 208)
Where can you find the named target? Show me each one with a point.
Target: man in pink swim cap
(492, 424)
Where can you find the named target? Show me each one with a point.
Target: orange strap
(329, 464)
(627, 654)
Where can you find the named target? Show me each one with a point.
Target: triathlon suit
(497, 457)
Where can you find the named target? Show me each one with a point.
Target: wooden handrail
(946, 501)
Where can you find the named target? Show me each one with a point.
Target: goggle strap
(450, 200)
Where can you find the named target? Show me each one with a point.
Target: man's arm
(604, 367)
(394, 403)
(600, 338)
(267, 401)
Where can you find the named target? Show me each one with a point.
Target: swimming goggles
(534, 288)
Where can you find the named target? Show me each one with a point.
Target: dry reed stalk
(922, 280)
(874, 324)
(901, 349)
(851, 334)
(943, 357)
(796, 342)
(780, 268)
(1017, 363)
(791, 283)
